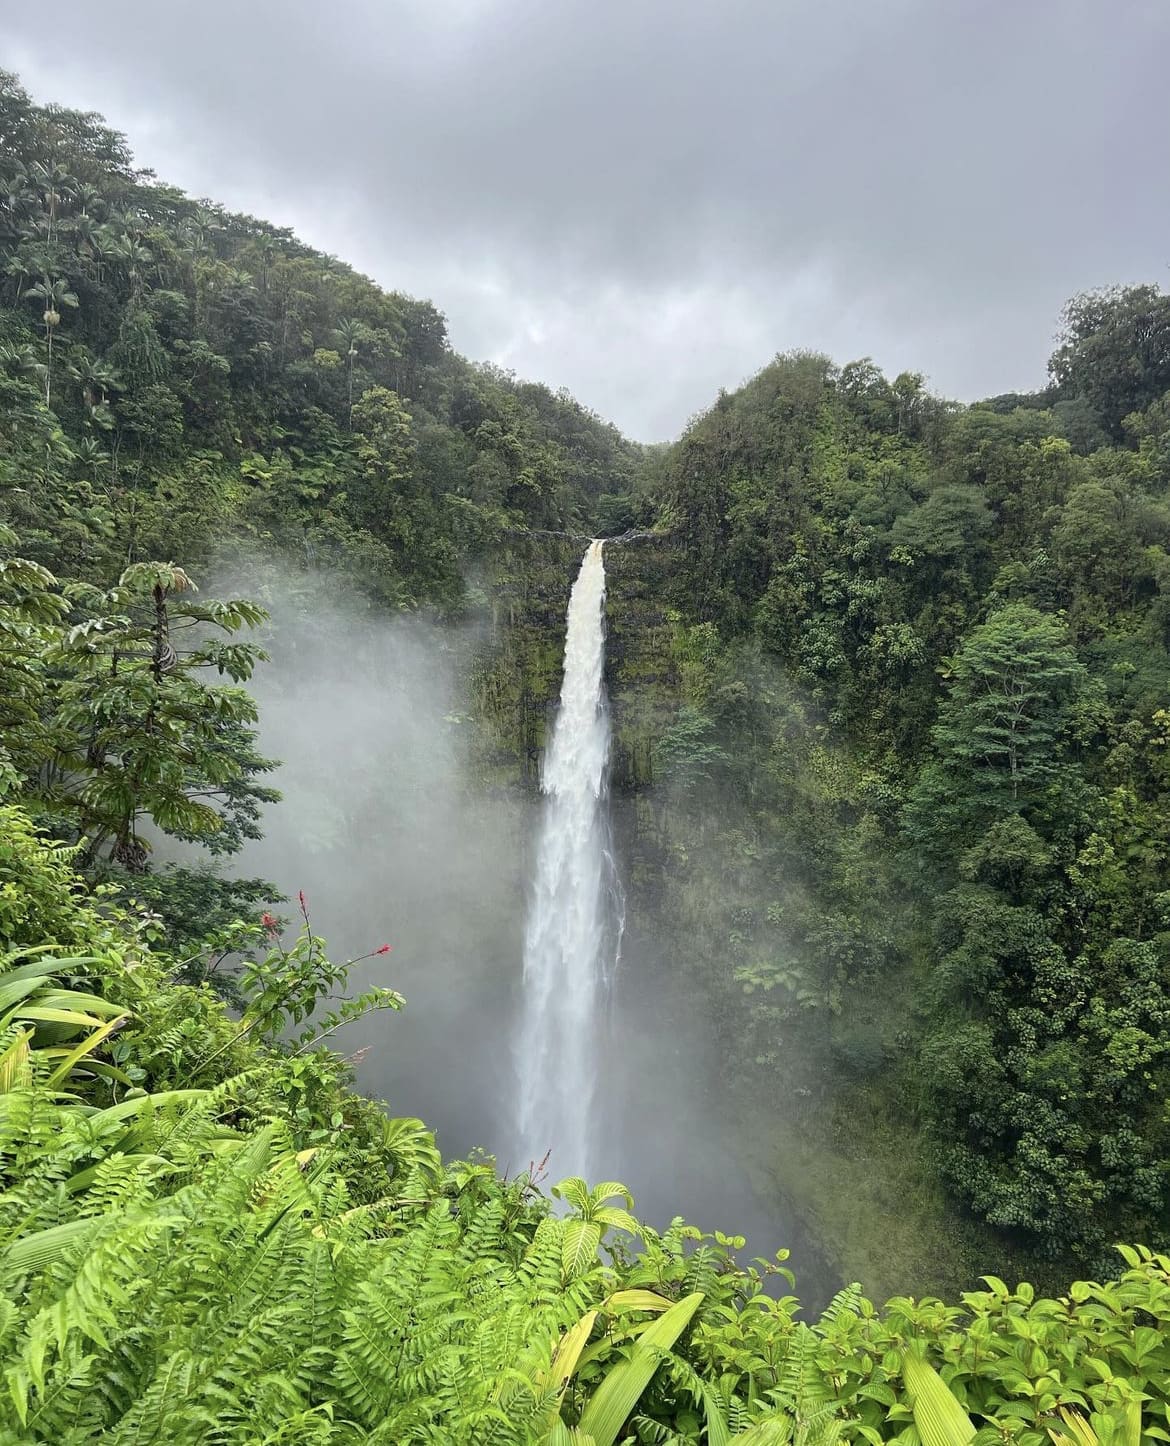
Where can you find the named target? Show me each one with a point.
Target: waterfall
(574, 925)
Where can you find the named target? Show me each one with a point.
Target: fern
(102, 1289)
(845, 1302)
(190, 1267)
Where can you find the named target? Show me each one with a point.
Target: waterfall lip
(576, 915)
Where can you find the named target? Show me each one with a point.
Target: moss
(641, 675)
(863, 1182)
(517, 669)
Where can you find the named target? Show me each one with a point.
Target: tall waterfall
(575, 919)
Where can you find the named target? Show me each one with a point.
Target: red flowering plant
(287, 986)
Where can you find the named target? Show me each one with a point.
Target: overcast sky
(644, 200)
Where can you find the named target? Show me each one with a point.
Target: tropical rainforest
(891, 691)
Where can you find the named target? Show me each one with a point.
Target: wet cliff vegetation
(889, 680)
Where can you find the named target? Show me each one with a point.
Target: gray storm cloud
(645, 201)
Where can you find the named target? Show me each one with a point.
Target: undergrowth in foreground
(206, 1236)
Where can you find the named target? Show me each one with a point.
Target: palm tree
(90, 454)
(350, 333)
(22, 361)
(87, 197)
(55, 295)
(18, 269)
(54, 183)
(99, 242)
(267, 252)
(97, 379)
(16, 202)
(196, 232)
(129, 252)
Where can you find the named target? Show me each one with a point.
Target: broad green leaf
(87, 1046)
(622, 1300)
(575, 1191)
(618, 1394)
(1080, 1433)
(128, 1108)
(103, 1068)
(612, 1217)
(73, 999)
(568, 1351)
(579, 1246)
(940, 1420)
(562, 1435)
(33, 1252)
(37, 969)
(608, 1190)
(53, 1016)
(12, 991)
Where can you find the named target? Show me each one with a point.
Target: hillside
(172, 372)
(890, 794)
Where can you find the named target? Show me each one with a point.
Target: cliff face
(640, 672)
(517, 672)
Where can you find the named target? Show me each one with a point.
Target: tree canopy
(903, 774)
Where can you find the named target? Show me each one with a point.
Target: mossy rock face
(517, 670)
(640, 673)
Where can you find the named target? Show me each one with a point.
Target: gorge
(412, 831)
(332, 776)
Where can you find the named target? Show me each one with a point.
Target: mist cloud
(644, 202)
(400, 829)
(387, 826)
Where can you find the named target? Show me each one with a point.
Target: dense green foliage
(206, 1237)
(906, 793)
(110, 722)
(926, 649)
(169, 371)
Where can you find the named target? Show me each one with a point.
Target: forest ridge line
(903, 693)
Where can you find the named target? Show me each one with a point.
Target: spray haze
(385, 828)
(503, 908)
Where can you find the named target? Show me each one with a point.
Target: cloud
(645, 201)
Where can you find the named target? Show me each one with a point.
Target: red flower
(385, 949)
(301, 897)
(270, 923)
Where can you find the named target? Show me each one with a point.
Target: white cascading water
(575, 919)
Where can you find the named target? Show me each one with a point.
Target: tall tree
(140, 735)
(54, 293)
(1115, 351)
(1011, 684)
